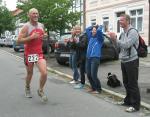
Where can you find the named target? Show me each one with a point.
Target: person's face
(72, 32)
(94, 31)
(34, 15)
(77, 30)
(123, 22)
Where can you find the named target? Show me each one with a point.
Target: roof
(17, 12)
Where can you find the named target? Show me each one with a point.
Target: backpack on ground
(142, 48)
(113, 81)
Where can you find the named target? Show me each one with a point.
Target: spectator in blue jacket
(95, 42)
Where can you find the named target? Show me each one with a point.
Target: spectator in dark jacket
(74, 53)
(82, 47)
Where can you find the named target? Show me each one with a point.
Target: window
(76, 5)
(137, 18)
(106, 40)
(93, 20)
(118, 24)
(105, 24)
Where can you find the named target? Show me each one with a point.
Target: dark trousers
(82, 71)
(130, 72)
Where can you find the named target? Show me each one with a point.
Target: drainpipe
(149, 24)
(84, 14)
(148, 89)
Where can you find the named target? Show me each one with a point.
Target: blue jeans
(73, 65)
(92, 65)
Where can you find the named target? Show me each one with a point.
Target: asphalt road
(105, 67)
(64, 101)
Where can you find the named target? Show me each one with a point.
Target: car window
(57, 37)
(3, 37)
(106, 39)
(67, 36)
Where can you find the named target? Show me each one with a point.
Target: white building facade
(107, 13)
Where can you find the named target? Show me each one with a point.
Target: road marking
(11, 54)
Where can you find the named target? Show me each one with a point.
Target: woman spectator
(95, 42)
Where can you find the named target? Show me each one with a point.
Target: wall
(100, 9)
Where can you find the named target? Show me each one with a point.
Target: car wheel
(44, 50)
(60, 62)
(116, 57)
(50, 49)
(10, 46)
(16, 50)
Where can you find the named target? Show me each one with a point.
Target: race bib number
(33, 58)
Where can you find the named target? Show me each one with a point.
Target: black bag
(142, 48)
(113, 80)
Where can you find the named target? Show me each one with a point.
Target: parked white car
(2, 41)
(9, 42)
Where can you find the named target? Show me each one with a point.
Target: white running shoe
(74, 82)
(42, 95)
(28, 92)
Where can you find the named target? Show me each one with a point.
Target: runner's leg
(43, 71)
(29, 69)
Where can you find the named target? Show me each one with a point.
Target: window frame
(105, 20)
(136, 16)
(93, 17)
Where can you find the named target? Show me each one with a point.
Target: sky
(11, 4)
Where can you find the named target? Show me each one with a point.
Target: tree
(6, 20)
(56, 15)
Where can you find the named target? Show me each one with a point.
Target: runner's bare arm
(23, 38)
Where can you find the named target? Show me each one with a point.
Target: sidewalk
(144, 80)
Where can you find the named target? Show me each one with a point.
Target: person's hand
(71, 39)
(35, 35)
(112, 35)
(45, 35)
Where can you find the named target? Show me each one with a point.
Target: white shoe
(73, 82)
(42, 95)
(131, 109)
(28, 93)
